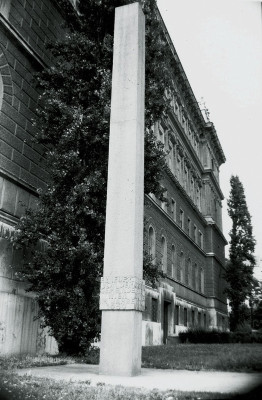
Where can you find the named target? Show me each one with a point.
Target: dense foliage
(200, 335)
(255, 304)
(73, 125)
(239, 268)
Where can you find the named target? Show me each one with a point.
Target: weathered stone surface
(122, 288)
(122, 293)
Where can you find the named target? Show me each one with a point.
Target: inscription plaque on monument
(122, 293)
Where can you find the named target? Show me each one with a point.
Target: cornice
(213, 255)
(215, 143)
(7, 224)
(207, 174)
(182, 78)
(186, 286)
(189, 97)
(218, 231)
(18, 182)
(220, 301)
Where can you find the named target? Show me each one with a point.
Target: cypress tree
(239, 269)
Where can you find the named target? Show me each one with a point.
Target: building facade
(183, 234)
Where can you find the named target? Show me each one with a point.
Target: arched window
(173, 261)
(163, 254)
(152, 244)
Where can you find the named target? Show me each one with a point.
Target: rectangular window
(198, 198)
(192, 188)
(200, 239)
(173, 209)
(178, 168)
(188, 226)
(195, 233)
(171, 156)
(164, 202)
(199, 318)
(185, 316)
(176, 315)
(183, 118)
(185, 178)
(181, 219)
(193, 317)
(176, 107)
(154, 310)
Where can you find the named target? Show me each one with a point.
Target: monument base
(121, 342)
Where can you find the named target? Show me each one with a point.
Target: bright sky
(219, 45)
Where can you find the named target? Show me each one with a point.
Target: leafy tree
(255, 304)
(239, 268)
(63, 240)
(257, 316)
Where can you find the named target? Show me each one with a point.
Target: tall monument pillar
(122, 288)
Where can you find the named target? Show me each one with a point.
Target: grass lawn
(14, 387)
(239, 357)
(222, 357)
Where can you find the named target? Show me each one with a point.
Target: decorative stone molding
(6, 231)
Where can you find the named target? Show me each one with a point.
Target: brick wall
(37, 22)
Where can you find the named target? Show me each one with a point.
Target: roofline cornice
(190, 94)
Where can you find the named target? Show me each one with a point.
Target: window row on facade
(189, 317)
(186, 124)
(181, 167)
(183, 316)
(181, 269)
(185, 223)
(202, 150)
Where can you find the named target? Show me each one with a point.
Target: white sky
(219, 45)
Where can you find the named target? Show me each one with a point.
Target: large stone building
(184, 233)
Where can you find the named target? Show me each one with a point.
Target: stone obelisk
(122, 288)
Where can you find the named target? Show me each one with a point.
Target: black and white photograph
(130, 204)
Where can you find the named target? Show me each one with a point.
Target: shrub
(244, 327)
(200, 335)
